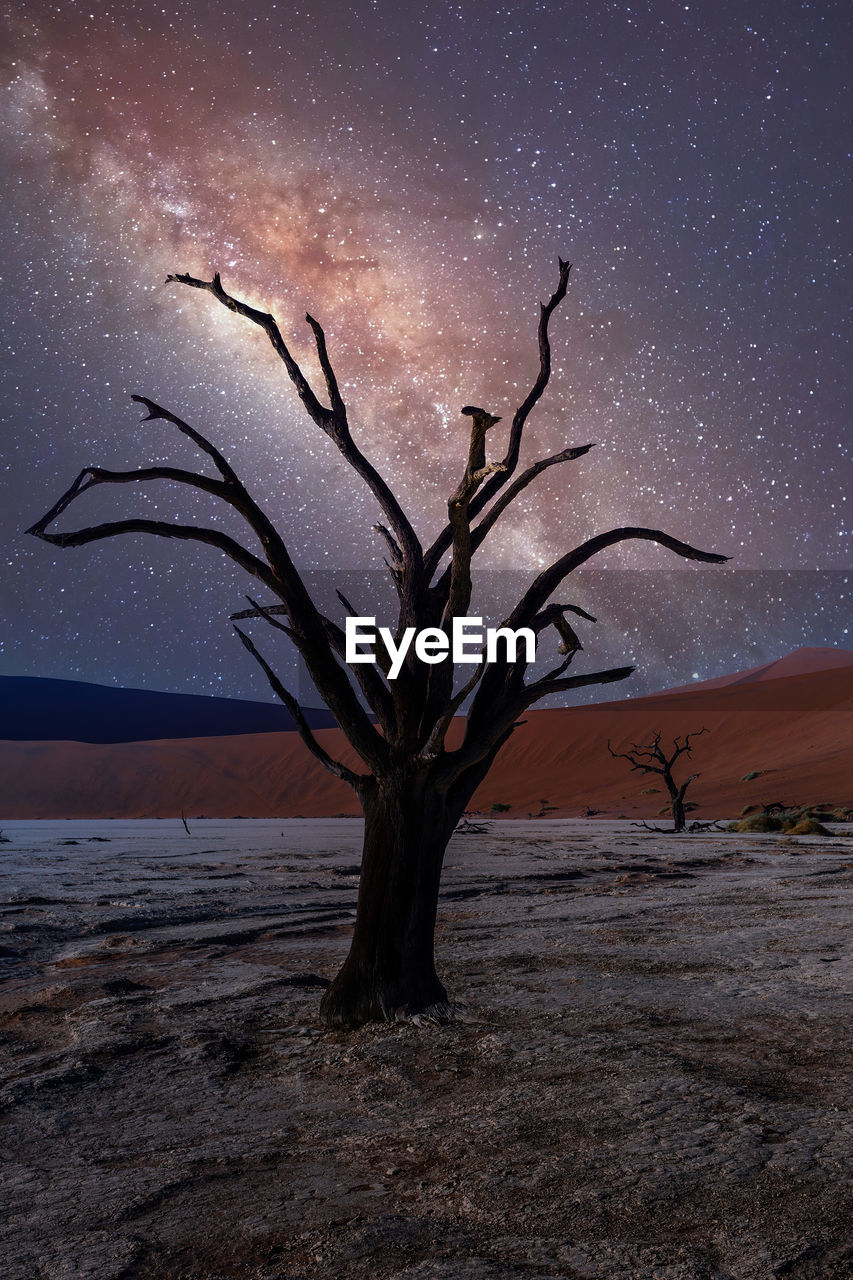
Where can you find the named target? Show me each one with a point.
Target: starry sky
(410, 174)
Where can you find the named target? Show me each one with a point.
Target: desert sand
(648, 1077)
(779, 734)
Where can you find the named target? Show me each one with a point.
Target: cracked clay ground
(648, 1077)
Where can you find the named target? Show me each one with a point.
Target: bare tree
(412, 788)
(650, 757)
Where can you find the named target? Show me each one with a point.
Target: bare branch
(510, 460)
(302, 726)
(332, 421)
(458, 510)
(435, 741)
(569, 640)
(375, 691)
(503, 683)
(258, 611)
(549, 615)
(339, 409)
(544, 688)
(157, 411)
(267, 613)
(499, 721)
(278, 574)
(549, 579)
(480, 532)
(439, 681)
(383, 659)
(351, 610)
(686, 747)
(520, 484)
(237, 495)
(289, 583)
(685, 784)
(160, 529)
(476, 469)
(561, 667)
(634, 758)
(522, 413)
(318, 412)
(393, 547)
(89, 477)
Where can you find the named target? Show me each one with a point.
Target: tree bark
(676, 799)
(390, 968)
(678, 818)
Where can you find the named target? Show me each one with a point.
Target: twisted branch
(480, 737)
(302, 726)
(160, 529)
(278, 573)
(510, 460)
(375, 691)
(332, 421)
(549, 579)
(481, 531)
(642, 754)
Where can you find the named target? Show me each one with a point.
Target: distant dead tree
(650, 757)
(412, 788)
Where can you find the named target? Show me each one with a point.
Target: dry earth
(648, 1077)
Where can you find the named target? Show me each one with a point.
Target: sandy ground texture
(648, 1077)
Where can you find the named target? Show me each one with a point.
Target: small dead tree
(650, 757)
(412, 788)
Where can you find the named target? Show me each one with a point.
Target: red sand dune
(788, 722)
(799, 662)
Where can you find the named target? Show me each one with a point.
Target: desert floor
(648, 1077)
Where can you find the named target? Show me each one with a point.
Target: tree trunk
(390, 969)
(678, 819)
(677, 797)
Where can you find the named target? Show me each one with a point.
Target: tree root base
(347, 1015)
(439, 1012)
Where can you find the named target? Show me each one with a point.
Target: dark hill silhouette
(36, 709)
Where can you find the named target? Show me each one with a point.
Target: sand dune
(795, 733)
(793, 730)
(797, 663)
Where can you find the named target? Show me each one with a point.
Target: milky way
(410, 177)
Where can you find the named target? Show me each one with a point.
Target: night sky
(410, 176)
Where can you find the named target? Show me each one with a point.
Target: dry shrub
(808, 827)
(758, 822)
(795, 822)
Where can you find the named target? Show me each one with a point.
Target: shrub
(794, 822)
(807, 827)
(758, 822)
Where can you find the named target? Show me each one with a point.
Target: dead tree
(412, 788)
(649, 757)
